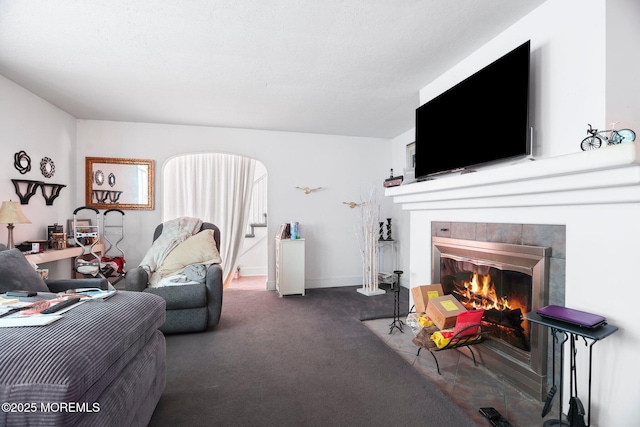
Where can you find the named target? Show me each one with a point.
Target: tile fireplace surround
(551, 236)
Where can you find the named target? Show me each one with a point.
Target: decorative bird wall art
(308, 190)
(352, 204)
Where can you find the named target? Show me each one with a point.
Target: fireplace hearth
(506, 280)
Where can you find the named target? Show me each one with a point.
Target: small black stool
(397, 323)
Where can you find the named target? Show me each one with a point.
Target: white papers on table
(93, 293)
(16, 321)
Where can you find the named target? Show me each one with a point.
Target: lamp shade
(10, 213)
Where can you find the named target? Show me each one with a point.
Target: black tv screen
(484, 118)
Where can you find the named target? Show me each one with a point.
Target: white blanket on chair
(173, 233)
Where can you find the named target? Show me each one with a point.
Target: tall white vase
(368, 229)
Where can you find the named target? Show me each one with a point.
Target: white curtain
(215, 188)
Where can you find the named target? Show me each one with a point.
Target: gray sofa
(190, 308)
(17, 274)
(101, 364)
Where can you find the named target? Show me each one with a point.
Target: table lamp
(10, 213)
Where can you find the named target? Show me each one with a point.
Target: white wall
(253, 256)
(343, 166)
(623, 85)
(30, 124)
(570, 88)
(401, 228)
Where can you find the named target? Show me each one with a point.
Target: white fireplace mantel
(605, 176)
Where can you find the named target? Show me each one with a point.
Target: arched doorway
(219, 188)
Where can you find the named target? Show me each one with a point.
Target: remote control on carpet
(495, 417)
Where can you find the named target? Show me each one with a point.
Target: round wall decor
(99, 177)
(47, 167)
(112, 179)
(22, 162)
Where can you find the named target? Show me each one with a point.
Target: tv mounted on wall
(483, 119)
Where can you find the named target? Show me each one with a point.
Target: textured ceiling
(347, 67)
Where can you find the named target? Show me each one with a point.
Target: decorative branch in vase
(368, 233)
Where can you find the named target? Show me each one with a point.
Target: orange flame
(481, 290)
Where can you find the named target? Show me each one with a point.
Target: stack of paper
(93, 293)
(5, 301)
(16, 321)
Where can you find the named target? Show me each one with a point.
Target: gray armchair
(192, 307)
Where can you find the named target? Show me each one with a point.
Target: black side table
(397, 323)
(572, 333)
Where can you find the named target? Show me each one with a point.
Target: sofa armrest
(136, 279)
(214, 284)
(61, 285)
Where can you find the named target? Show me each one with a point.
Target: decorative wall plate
(22, 162)
(99, 177)
(47, 167)
(111, 179)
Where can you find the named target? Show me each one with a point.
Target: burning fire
(481, 292)
(502, 312)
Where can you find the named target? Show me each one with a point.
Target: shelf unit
(384, 247)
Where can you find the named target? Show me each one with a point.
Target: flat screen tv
(483, 119)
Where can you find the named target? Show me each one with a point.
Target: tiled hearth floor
(470, 387)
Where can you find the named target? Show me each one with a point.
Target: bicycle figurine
(595, 139)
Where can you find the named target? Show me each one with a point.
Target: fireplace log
(493, 316)
(512, 318)
(506, 325)
(502, 324)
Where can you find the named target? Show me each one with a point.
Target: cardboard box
(443, 311)
(421, 295)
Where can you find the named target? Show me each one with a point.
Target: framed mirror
(113, 183)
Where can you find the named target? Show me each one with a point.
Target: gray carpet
(297, 361)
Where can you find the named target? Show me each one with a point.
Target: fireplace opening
(507, 281)
(505, 295)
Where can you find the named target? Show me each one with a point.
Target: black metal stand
(397, 323)
(571, 333)
(554, 333)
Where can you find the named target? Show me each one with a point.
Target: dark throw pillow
(17, 274)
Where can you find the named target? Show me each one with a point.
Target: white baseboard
(331, 283)
(253, 271)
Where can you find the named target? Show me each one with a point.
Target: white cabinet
(290, 266)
